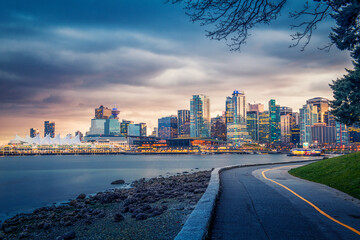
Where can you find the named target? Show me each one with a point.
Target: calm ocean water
(27, 183)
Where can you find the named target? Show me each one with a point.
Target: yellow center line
(308, 202)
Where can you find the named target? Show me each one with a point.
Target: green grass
(342, 173)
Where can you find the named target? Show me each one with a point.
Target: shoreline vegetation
(151, 209)
(341, 173)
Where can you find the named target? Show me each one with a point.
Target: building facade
(184, 123)
(102, 112)
(322, 134)
(236, 131)
(49, 129)
(308, 117)
(218, 128)
(274, 121)
(200, 116)
(322, 106)
(168, 127)
(252, 124)
(264, 127)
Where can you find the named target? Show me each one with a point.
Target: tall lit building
(236, 130)
(322, 106)
(218, 128)
(295, 135)
(184, 123)
(264, 127)
(49, 128)
(102, 112)
(143, 129)
(308, 117)
(34, 132)
(252, 124)
(285, 124)
(97, 127)
(112, 126)
(168, 127)
(342, 134)
(274, 121)
(124, 127)
(200, 116)
(322, 134)
(354, 134)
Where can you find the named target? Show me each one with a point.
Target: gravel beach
(151, 209)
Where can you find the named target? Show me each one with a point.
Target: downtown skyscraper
(274, 121)
(236, 130)
(200, 116)
(49, 129)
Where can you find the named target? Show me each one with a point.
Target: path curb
(197, 225)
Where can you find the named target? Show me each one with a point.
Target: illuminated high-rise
(102, 112)
(236, 130)
(168, 127)
(183, 123)
(264, 127)
(308, 117)
(252, 124)
(274, 121)
(200, 116)
(49, 128)
(322, 106)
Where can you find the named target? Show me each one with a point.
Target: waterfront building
(102, 112)
(143, 129)
(342, 135)
(285, 111)
(252, 124)
(322, 134)
(124, 127)
(168, 127)
(322, 106)
(137, 130)
(200, 116)
(285, 128)
(112, 126)
(236, 130)
(218, 128)
(308, 117)
(34, 132)
(184, 123)
(329, 119)
(49, 129)
(97, 127)
(274, 121)
(256, 107)
(354, 134)
(264, 127)
(134, 130)
(295, 135)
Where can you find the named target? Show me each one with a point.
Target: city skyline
(59, 67)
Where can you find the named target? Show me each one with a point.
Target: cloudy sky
(60, 59)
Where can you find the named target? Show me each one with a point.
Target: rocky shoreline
(151, 209)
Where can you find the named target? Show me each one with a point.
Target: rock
(24, 235)
(69, 235)
(125, 210)
(101, 215)
(179, 208)
(120, 181)
(81, 196)
(118, 217)
(73, 203)
(141, 216)
(9, 229)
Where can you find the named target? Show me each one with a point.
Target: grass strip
(342, 173)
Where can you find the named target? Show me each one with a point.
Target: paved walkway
(252, 207)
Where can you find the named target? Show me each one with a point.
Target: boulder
(81, 196)
(120, 181)
(118, 217)
(141, 216)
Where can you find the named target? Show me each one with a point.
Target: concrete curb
(197, 225)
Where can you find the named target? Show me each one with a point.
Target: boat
(306, 152)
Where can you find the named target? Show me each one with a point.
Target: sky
(61, 59)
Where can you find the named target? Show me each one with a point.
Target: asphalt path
(251, 206)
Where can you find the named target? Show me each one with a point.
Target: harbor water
(27, 183)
